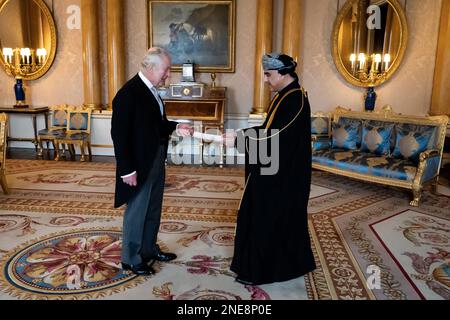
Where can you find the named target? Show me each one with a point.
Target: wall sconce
(20, 62)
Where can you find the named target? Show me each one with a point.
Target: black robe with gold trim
(272, 242)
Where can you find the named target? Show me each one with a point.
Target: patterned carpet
(60, 238)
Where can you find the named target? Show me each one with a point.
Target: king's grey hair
(153, 57)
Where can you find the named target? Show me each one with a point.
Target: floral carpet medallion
(83, 264)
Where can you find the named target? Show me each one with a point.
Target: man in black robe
(272, 242)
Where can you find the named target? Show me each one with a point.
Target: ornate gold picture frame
(390, 36)
(27, 24)
(199, 32)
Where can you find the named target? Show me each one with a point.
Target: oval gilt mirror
(369, 41)
(27, 38)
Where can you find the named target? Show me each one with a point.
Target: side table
(32, 111)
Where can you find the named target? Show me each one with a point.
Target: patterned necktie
(158, 98)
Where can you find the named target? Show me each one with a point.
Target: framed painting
(197, 32)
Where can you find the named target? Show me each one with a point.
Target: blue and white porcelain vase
(20, 92)
(370, 100)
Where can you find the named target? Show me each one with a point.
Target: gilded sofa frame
(3, 145)
(388, 115)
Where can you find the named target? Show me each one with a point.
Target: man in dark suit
(140, 132)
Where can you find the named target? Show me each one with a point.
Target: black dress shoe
(165, 256)
(149, 262)
(141, 269)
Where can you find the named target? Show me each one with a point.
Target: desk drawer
(195, 110)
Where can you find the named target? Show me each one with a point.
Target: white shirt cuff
(129, 175)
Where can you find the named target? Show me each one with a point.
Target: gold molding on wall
(264, 35)
(116, 48)
(441, 86)
(292, 28)
(91, 62)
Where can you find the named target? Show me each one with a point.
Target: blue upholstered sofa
(382, 147)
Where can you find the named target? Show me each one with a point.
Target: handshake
(184, 130)
(228, 138)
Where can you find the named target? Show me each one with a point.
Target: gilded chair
(320, 130)
(78, 132)
(56, 127)
(3, 133)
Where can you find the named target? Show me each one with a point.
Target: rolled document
(208, 137)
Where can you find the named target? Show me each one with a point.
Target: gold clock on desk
(187, 89)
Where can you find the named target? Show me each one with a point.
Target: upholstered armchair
(56, 128)
(3, 133)
(78, 133)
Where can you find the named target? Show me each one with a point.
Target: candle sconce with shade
(369, 42)
(28, 52)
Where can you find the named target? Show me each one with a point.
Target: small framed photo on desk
(188, 72)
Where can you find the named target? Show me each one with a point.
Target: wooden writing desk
(202, 105)
(195, 103)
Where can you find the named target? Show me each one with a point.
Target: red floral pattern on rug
(72, 263)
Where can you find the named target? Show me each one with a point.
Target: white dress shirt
(154, 91)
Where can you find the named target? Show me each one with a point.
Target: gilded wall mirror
(369, 41)
(27, 38)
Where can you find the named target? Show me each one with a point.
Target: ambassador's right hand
(131, 180)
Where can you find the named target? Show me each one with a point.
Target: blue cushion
(423, 129)
(366, 163)
(345, 136)
(319, 125)
(59, 118)
(432, 168)
(51, 133)
(77, 136)
(79, 121)
(353, 122)
(410, 144)
(322, 144)
(377, 139)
